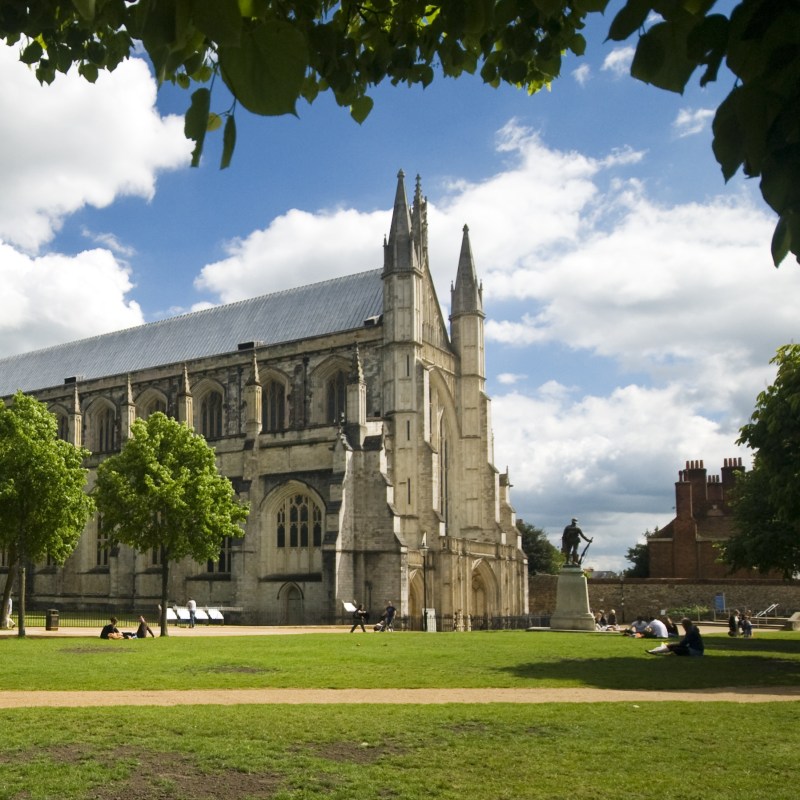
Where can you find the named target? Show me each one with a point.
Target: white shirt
(659, 628)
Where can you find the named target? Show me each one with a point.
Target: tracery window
(273, 407)
(337, 398)
(299, 522)
(63, 427)
(106, 430)
(157, 404)
(222, 566)
(211, 415)
(103, 544)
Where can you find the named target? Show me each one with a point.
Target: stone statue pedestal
(572, 602)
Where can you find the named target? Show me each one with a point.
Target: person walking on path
(359, 617)
(191, 607)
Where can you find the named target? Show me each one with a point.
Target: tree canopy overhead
(271, 53)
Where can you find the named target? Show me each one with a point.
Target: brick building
(348, 415)
(686, 547)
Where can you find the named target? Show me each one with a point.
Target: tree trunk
(164, 594)
(21, 604)
(12, 569)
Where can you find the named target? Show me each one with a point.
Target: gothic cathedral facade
(354, 424)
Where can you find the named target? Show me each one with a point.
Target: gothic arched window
(105, 424)
(273, 407)
(336, 397)
(63, 427)
(211, 415)
(299, 522)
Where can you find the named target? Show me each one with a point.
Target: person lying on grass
(690, 645)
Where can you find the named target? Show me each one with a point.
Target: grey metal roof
(339, 304)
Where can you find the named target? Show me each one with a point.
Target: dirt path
(226, 697)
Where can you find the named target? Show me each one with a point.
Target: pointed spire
(401, 216)
(129, 392)
(356, 369)
(419, 221)
(186, 389)
(254, 380)
(398, 252)
(76, 401)
(467, 296)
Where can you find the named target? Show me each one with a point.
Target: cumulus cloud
(73, 144)
(582, 74)
(618, 61)
(691, 121)
(55, 298)
(66, 146)
(297, 248)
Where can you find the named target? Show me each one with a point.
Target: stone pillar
(572, 602)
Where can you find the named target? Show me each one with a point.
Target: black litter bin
(51, 619)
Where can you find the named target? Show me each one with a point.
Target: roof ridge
(199, 312)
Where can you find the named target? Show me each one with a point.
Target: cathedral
(348, 416)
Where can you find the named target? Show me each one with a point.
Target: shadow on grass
(717, 669)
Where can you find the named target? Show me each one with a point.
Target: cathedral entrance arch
(483, 591)
(416, 599)
(290, 603)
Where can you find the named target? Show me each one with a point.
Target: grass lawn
(404, 660)
(464, 752)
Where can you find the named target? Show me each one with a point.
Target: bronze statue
(570, 540)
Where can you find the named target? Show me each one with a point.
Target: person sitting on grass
(143, 630)
(655, 629)
(111, 631)
(690, 645)
(636, 628)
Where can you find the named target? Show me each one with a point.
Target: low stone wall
(648, 596)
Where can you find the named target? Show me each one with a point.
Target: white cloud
(510, 378)
(582, 74)
(54, 298)
(72, 144)
(65, 146)
(295, 249)
(618, 61)
(691, 121)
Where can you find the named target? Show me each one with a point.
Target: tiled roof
(336, 305)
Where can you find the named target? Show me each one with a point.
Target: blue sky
(632, 307)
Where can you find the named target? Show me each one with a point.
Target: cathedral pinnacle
(467, 294)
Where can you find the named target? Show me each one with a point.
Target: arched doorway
(291, 605)
(415, 600)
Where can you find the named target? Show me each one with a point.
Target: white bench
(215, 615)
(200, 615)
(183, 614)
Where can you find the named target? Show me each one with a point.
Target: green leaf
(661, 59)
(265, 73)
(359, 110)
(86, 8)
(781, 240)
(196, 122)
(630, 18)
(728, 143)
(228, 142)
(32, 53)
(214, 122)
(219, 20)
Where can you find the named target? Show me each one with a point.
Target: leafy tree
(43, 505)
(163, 491)
(766, 500)
(639, 556)
(271, 53)
(544, 558)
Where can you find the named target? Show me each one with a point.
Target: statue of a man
(570, 540)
